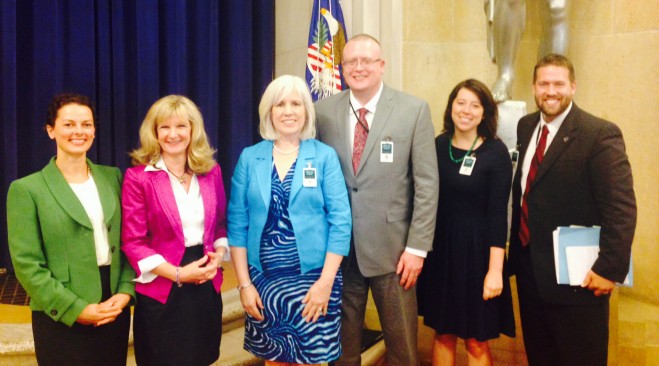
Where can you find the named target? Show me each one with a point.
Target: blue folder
(579, 236)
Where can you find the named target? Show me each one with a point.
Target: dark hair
(554, 59)
(62, 99)
(488, 126)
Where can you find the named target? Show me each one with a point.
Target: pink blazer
(151, 223)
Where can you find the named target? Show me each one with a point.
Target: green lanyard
(450, 150)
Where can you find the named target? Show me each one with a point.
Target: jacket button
(109, 227)
(355, 189)
(53, 312)
(113, 249)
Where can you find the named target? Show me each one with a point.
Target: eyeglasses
(366, 62)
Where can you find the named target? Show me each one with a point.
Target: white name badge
(467, 165)
(386, 151)
(309, 177)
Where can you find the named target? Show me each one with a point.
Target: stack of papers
(575, 251)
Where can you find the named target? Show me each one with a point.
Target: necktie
(533, 169)
(361, 133)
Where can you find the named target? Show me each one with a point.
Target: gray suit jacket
(394, 205)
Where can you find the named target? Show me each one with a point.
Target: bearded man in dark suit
(582, 177)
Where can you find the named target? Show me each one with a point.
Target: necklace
(450, 150)
(181, 178)
(285, 152)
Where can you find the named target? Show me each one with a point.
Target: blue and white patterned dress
(284, 335)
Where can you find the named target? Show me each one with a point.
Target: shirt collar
(157, 166)
(554, 125)
(371, 105)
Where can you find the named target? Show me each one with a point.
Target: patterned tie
(361, 133)
(533, 169)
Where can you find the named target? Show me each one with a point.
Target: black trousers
(57, 344)
(556, 334)
(186, 330)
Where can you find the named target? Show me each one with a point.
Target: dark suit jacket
(584, 179)
(51, 241)
(394, 205)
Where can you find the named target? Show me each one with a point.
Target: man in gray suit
(385, 142)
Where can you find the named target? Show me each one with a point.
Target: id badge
(467, 165)
(386, 151)
(309, 177)
(514, 156)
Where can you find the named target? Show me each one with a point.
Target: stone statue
(506, 20)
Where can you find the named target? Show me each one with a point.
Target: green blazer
(51, 241)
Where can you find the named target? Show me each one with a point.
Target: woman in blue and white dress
(289, 227)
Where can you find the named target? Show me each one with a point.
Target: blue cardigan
(320, 216)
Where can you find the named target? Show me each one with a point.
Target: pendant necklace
(181, 178)
(450, 150)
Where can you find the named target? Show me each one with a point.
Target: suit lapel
(165, 195)
(380, 120)
(342, 120)
(207, 191)
(64, 195)
(105, 193)
(306, 156)
(263, 170)
(525, 135)
(563, 138)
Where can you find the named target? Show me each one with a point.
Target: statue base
(510, 112)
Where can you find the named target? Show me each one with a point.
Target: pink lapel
(208, 196)
(165, 195)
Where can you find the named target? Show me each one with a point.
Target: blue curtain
(125, 54)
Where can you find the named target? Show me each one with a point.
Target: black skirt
(57, 344)
(186, 330)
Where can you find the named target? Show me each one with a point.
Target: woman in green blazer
(64, 228)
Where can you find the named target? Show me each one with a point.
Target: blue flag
(327, 36)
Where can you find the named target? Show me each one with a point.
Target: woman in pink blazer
(174, 236)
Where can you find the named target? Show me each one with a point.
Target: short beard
(565, 103)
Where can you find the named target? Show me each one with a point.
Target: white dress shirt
(352, 116)
(553, 127)
(88, 195)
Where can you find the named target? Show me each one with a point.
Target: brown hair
(554, 59)
(488, 126)
(62, 99)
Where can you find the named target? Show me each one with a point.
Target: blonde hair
(200, 153)
(277, 90)
(363, 37)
